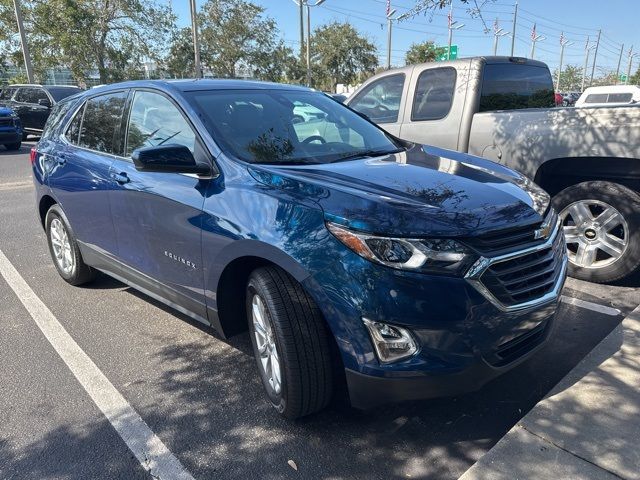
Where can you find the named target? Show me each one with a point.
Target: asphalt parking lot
(201, 396)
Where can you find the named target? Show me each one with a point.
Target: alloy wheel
(61, 246)
(266, 344)
(596, 233)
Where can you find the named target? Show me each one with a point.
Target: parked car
(33, 103)
(499, 108)
(558, 99)
(608, 96)
(410, 270)
(569, 99)
(10, 129)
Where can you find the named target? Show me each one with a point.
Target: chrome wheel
(596, 233)
(266, 344)
(61, 246)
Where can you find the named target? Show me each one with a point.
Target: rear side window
(7, 93)
(434, 94)
(619, 98)
(380, 100)
(30, 95)
(596, 98)
(155, 120)
(73, 130)
(101, 123)
(510, 86)
(57, 113)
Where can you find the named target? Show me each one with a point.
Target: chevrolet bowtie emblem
(544, 231)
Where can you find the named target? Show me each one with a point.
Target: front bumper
(10, 136)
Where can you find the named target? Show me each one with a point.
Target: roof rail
(24, 85)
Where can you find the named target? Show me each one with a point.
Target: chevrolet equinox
(406, 270)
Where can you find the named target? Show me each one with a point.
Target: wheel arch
(559, 173)
(45, 203)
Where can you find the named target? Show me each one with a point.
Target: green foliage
(423, 52)
(634, 79)
(110, 35)
(570, 79)
(342, 54)
(180, 61)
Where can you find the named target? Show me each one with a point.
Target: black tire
(627, 203)
(301, 340)
(13, 146)
(80, 272)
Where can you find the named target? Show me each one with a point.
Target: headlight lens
(425, 255)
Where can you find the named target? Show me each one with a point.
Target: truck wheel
(290, 343)
(13, 146)
(64, 249)
(602, 229)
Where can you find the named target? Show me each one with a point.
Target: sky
(574, 19)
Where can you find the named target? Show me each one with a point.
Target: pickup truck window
(508, 86)
(596, 98)
(434, 94)
(380, 100)
(619, 97)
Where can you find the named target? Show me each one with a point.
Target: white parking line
(596, 307)
(152, 454)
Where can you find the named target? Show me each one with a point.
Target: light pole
(23, 41)
(619, 62)
(390, 20)
(587, 49)
(563, 43)
(515, 19)
(631, 56)
(452, 26)
(306, 2)
(497, 33)
(196, 42)
(534, 39)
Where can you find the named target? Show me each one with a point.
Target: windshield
(287, 126)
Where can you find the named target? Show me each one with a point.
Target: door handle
(121, 178)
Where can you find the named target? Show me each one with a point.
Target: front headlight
(442, 256)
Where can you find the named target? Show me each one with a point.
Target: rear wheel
(601, 223)
(290, 343)
(64, 249)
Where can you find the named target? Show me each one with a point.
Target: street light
(563, 43)
(497, 33)
(587, 50)
(317, 4)
(390, 20)
(534, 40)
(452, 26)
(631, 57)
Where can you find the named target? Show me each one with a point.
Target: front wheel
(601, 223)
(290, 343)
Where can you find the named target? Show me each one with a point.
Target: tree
(423, 52)
(112, 36)
(570, 79)
(634, 79)
(235, 34)
(280, 65)
(343, 55)
(180, 61)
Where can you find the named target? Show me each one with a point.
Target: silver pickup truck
(502, 108)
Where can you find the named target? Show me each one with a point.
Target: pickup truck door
(26, 104)
(434, 106)
(157, 216)
(383, 100)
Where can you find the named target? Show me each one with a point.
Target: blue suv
(10, 129)
(410, 271)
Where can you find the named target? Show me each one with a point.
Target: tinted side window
(619, 98)
(7, 93)
(155, 120)
(596, 98)
(509, 86)
(100, 128)
(434, 94)
(30, 95)
(380, 100)
(53, 122)
(73, 130)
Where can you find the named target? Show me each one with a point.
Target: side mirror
(168, 159)
(44, 102)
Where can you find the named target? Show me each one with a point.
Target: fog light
(392, 343)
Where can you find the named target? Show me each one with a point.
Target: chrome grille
(523, 279)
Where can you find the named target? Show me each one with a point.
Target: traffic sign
(453, 56)
(623, 77)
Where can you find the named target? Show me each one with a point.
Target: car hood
(422, 191)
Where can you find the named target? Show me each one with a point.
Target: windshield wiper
(367, 153)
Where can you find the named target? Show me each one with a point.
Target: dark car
(10, 129)
(33, 103)
(412, 271)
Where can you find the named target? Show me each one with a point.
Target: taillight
(33, 155)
